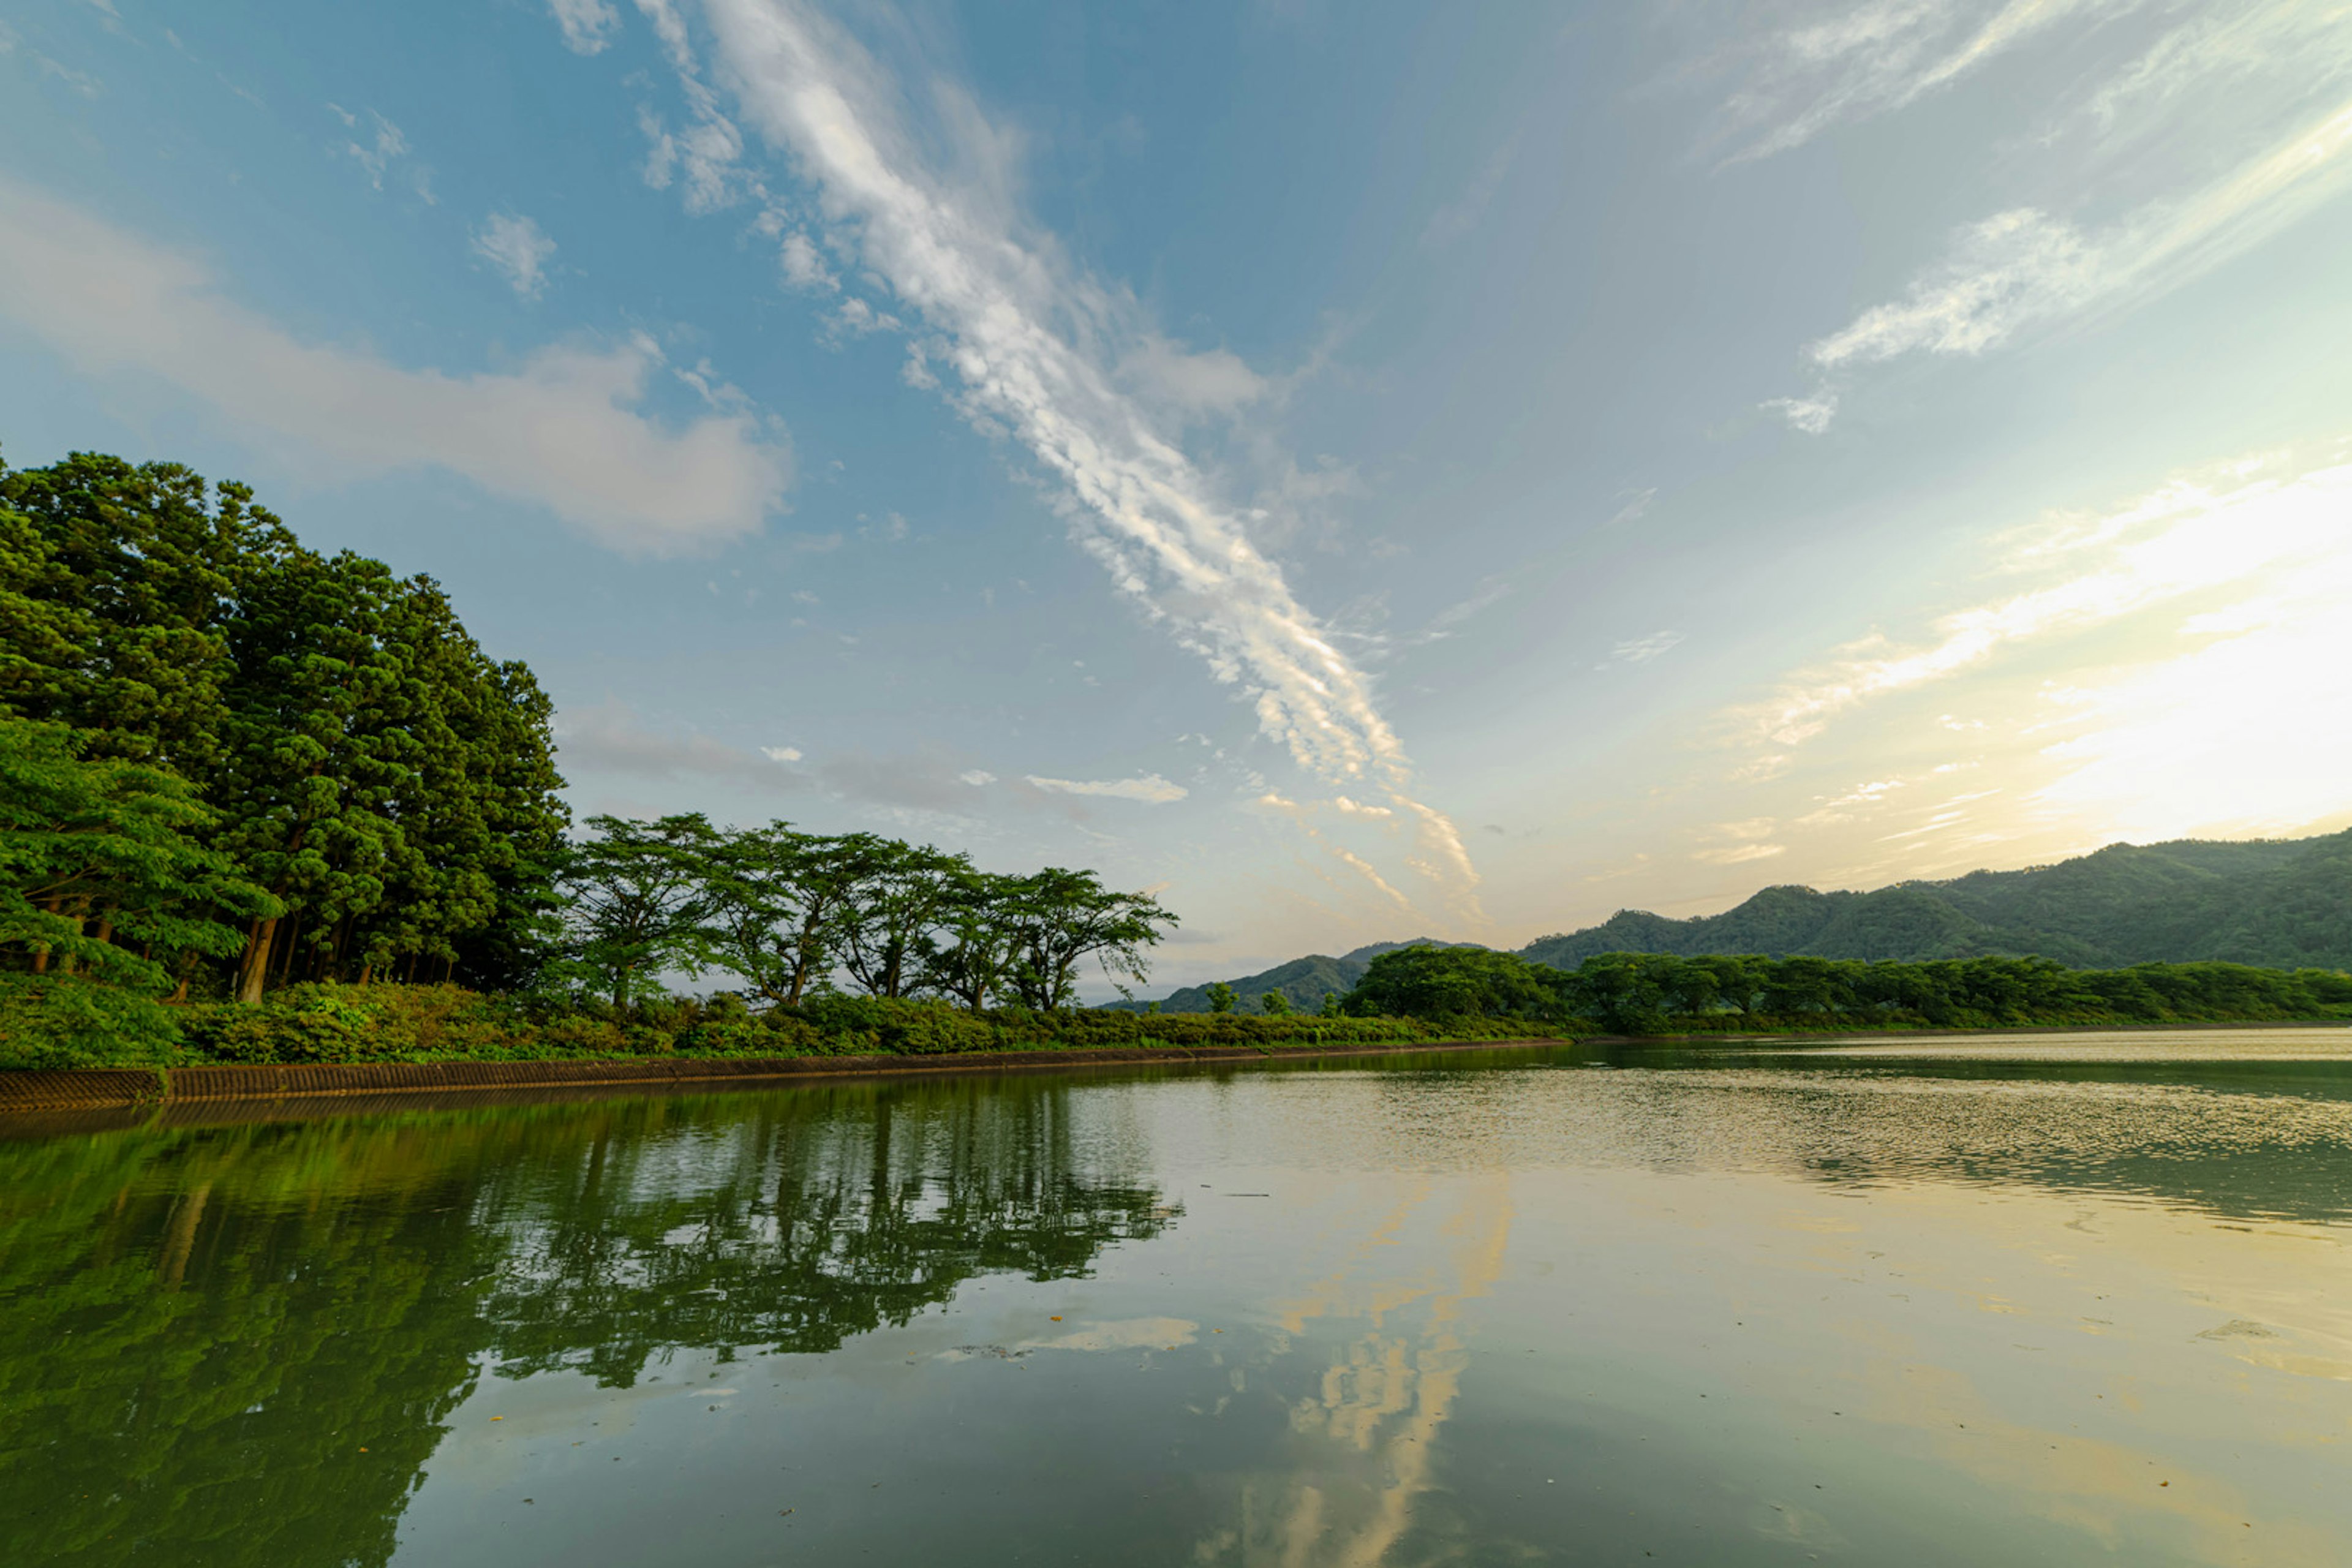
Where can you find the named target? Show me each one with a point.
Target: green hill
(2284, 903)
(1302, 981)
(2279, 902)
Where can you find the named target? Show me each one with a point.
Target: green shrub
(66, 1021)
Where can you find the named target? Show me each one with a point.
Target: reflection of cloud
(1389, 1395)
(1126, 1334)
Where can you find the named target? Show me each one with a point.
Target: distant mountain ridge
(1302, 981)
(2280, 903)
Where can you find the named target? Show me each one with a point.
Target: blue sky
(1362, 470)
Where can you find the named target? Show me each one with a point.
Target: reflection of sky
(1863, 1311)
(1954, 1308)
(1446, 469)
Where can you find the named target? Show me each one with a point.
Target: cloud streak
(1036, 352)
(1877, 57)
(1150, 789)
(2238, 166)
(562, 431)
(2240, 523)
(2021, 267)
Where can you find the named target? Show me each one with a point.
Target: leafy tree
(781, 903)
(1062, 917)
(1274, 1004)
(102, 883)
(978, 942)
(639, 899)
(125, 576)
(897, 894)
(1331, 1008)
(1425, 982)
(1221, 998)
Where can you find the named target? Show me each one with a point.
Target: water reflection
(1540, 1306)
(240, 1345)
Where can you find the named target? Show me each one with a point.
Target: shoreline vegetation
(261, 807)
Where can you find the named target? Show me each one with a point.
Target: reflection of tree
(811, 1218)
(239, 1345)
(192, 1366)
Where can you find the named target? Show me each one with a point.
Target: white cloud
(803, 267)
(1741, 854)
(976, 777)
(1215, 381)
(1811, 415)
(706, 154)
(1641, 650)
(2009, 270)
(1152, 789)
(1037, 352)
(518, 248)
(588, 25)
(561, 431)
(780, 754)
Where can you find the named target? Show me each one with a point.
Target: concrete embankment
(126, 1087)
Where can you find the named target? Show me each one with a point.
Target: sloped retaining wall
(110, 1087)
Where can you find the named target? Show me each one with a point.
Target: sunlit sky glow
(1364, 471)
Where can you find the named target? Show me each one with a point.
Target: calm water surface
(1969, 1301)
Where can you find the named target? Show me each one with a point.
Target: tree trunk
(255, 967)
(293, 943)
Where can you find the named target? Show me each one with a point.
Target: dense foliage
(367, 792)
(1656, 993)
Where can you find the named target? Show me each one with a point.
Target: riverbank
(101, 1089)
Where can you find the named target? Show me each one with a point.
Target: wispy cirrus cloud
(2167, 165)
(2239, 528)
(1841, 63)
(1641, 650)
(588, 25)
(1150, 789)
(1065, 366)
(2023, 267)
(563, 431)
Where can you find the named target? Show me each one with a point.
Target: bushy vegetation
(1657, 994)
(319, 1022)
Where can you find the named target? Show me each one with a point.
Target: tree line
(1656, 993)
(785, 912)
(230, 763)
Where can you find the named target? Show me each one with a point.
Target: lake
(2006, 1299)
